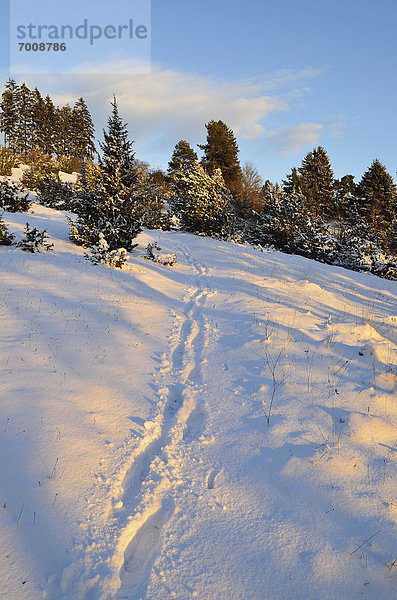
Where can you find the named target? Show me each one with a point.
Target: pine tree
(149, 195)
(38, 115)
(63, 133)
(182, 158)
(117, 159)
(82, 131)
(345, 194)
(221, 152)
(202, 202)
(292, 182)
(34, 240)
(24, 126)
(377, 194)
(111, 208)
(6, 238)
(317, 183)
(286, 223)
(9, 114)
(49, 126)
(13, 198)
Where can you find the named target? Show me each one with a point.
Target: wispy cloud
(294, 139)
(338, 125)
(167, 105)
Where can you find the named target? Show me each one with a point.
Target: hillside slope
(222, 429)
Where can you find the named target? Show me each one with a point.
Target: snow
(225, 428)
(68, 177)
(17, 173)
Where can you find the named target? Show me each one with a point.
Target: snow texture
(224, 429)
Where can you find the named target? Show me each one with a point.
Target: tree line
(29, 121)
(310, 212)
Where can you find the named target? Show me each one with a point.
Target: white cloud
(167, 105)
(294, 139)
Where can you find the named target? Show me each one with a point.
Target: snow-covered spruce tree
(286, 223)
(150, 197)
(82, 130)
(13, 198)
(100, 254)
(6, 238)
(182, 158)
(202, 202)
(110, 207)
(292, 182)
(34, 240)
(117, 154)
(360, 248)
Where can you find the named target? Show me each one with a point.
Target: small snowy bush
(6, 238)
(34, 240)
(12, 198)
(54, 193)
(100, 254)
(153, 253)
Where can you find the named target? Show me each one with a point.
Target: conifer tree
(182, 158)
(82, 131)
(221, 152)
(117, 160)
(149, 194)
(377, 194)
(49, 126)
(24, 126)
(63, 134)
(6, 238)
(202, 202)
(38, 120)
(292, 182)
(110, 211)
(345, 194)
(9, 114)
(317, 183)
(13, 197)
(286, 223)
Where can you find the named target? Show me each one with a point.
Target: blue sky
(286, 75)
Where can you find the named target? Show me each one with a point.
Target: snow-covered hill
(223, 429)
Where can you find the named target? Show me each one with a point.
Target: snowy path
(223, 429)
(154, 472)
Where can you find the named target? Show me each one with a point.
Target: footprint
(142, 548)
(195, 424)
(211, 479)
